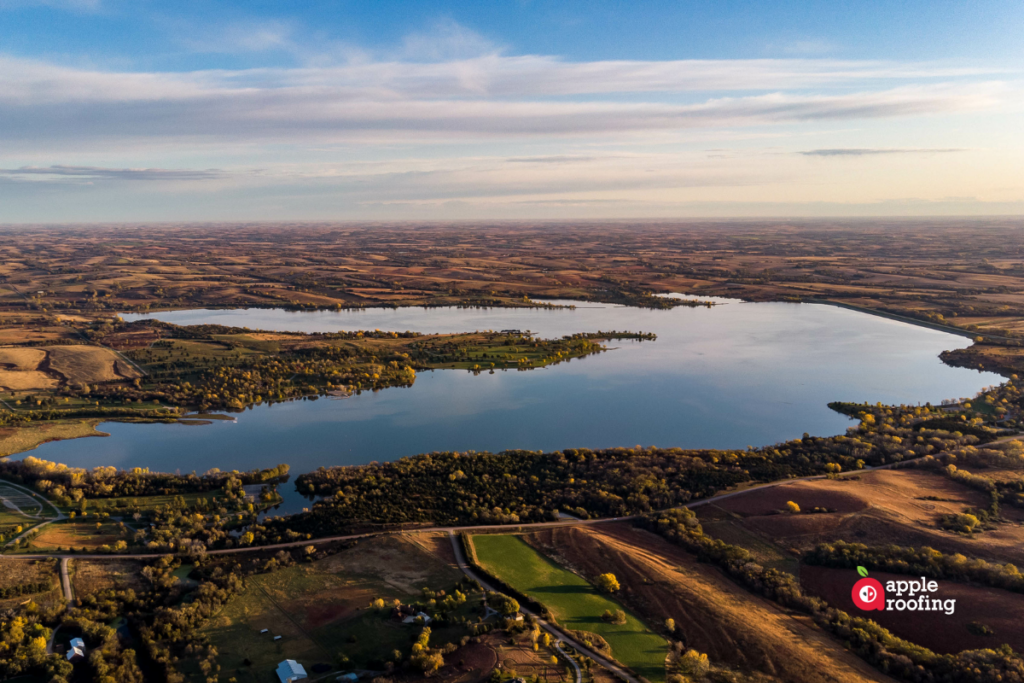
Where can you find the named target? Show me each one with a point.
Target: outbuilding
(76, 650)
(289, 671)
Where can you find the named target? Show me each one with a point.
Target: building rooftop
(289, 670)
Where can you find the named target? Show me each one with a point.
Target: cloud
(858, 152)
(446, 39)
(238, 37)
(52, 173)
(806, 48)
(493, 96)
(550, 160)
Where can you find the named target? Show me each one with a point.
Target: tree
(607, 583)
(670, 625)
(503, 603)
(694, 664)
(792, 507)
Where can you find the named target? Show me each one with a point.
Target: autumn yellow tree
(607, 583)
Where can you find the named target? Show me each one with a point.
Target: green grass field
(575, 603)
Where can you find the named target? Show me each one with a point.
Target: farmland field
(999, 610)
(712, 613)
(76, 534)
(575, 603)
(901, 506)
(320, 610)
(88, 364)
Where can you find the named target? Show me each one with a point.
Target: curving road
(579, 674)
(460, 559)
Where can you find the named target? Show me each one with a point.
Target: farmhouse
(289, 670)
(77, 650)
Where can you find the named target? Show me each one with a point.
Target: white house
(76, 651)
(289, 670)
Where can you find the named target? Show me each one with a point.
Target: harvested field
(1000, 610)
(807, 494)
(439, 545)
(712, 613)
(90, 576)
(394, 560)
(15, 440)
(75, 534)
(26, 380)
(88, 364)
(884, 506)
(21, 357)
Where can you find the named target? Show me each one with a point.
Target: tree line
(520, 486)
(893, 655)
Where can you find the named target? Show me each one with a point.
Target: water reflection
(730, 376)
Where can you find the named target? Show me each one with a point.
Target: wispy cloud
(238, 37)
(555, 159)
(860, 152)
(491, 96)
(446, 40)
(36, 173)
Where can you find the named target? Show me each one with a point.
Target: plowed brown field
(1000, 610)
(875, 508)
(713, 614)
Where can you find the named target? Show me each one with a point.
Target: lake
(733, 375)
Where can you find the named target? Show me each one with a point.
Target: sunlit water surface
(733, 375)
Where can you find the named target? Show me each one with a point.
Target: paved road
(65, 580)
(579, 674)
(460, 559)
(434, 529)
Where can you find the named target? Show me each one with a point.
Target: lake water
(733, 375)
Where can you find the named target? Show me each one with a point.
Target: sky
(135, 110)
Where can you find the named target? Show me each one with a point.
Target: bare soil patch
(396, 561)
(88, 364)
(808, 495)
(91, 576)
(75, 535)
(1000, 610)
(438, 545)
(712, 614)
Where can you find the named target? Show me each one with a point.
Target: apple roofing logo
(868, 594)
